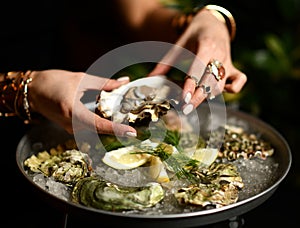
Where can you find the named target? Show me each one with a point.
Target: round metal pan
(49, 135)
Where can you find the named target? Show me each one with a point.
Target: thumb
(235, 82)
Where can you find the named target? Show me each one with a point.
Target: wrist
(224, 16)
(182, 20)
(13, 95)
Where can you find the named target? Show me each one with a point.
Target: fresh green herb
(179, 163)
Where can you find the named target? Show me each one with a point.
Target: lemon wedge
(206, 155)
(124, 158)
(157, 170)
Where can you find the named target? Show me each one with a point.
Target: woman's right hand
(56, 95)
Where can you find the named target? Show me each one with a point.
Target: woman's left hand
(209, 39)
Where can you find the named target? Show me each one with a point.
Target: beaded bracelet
(181, 21)
(13, 95)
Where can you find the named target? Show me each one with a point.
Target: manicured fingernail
(130, 134)
(187, 98)
(187, 109)
(121, 79)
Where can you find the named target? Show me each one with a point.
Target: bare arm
(147, 19)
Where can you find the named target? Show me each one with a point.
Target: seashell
(98, 193)
(145, 99)
(219, 186)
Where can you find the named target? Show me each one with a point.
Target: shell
(141, 100)
(219, 186)
(66, 167)
(97, 193)
(241, 144)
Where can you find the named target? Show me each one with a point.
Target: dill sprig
(179, 163)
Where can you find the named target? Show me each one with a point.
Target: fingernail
(187, 109)
(130, 134)
(187, 98)
(121, 79)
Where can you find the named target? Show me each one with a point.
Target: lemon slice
(206, 155)
(157, 170)
(124, 158)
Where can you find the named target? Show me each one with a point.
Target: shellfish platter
(172, 167)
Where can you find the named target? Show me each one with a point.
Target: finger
(189, 87)
(198, 98)
(160, 69)
(193, 78)
(174, 56)
(235, 82)
(207, 88)
(89, 120)
(205, 91)
(91, 82)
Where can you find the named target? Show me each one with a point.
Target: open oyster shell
(97, 193)
(144, 99)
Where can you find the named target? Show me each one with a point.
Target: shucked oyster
(97, 193)
(219, 186)
(143, 99)
(66, 167)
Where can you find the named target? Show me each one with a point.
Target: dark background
(66, 35)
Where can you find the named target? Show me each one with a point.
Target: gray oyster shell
(219, 186)
(142, 99)
(100, 194)
(66, 167)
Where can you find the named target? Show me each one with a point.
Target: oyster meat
(66, 167)
(97, 193)
(135, 102)
(219, 186)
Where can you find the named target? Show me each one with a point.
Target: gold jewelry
(13, 95)
(25, 99)
(195, 79)
(216, 68)
(224, 15)
(182, 20)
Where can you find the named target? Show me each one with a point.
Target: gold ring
(196, 80)
(216, 68)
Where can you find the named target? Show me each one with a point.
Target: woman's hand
(56, 95)
(209, 39)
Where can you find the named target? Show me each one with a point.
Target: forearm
(147, 20)
(151, 20)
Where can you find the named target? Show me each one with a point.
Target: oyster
(141, 100)
(66, 167)
(219, 186)
(240, 144)
(97, 193)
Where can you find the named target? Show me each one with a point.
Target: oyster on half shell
(143, 99)
(97, 193)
